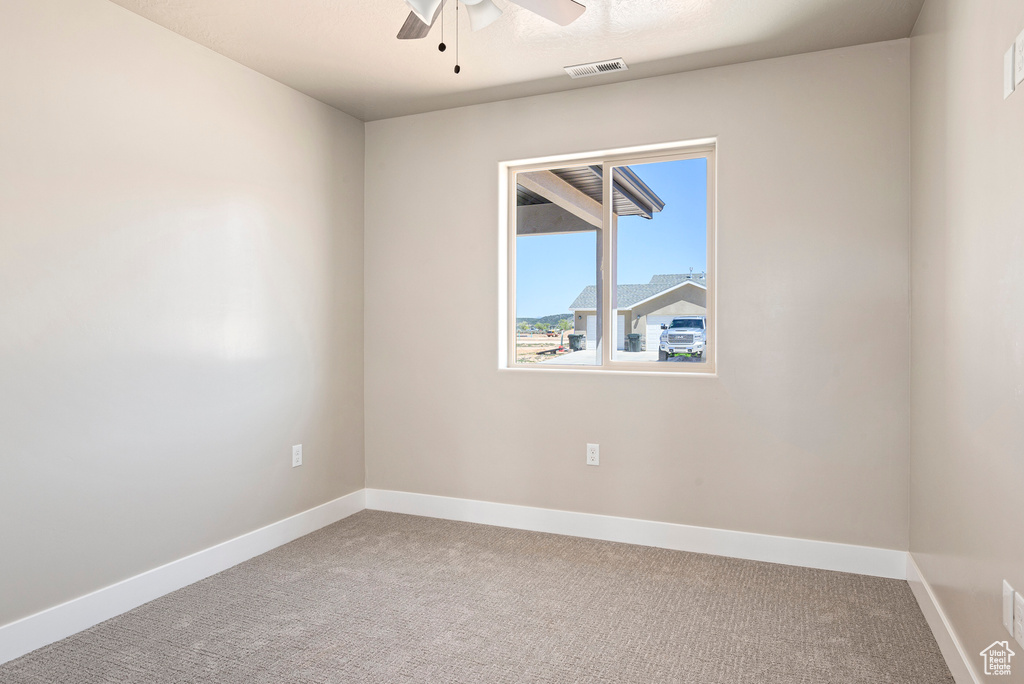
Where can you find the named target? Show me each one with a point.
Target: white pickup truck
(685, 335)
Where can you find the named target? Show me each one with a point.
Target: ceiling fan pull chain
(442, 46)
(457, 67)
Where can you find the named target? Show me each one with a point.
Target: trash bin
(577, 341)
(633, 342)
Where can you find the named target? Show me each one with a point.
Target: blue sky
(552, 269)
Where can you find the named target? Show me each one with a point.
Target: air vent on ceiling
(596, 68)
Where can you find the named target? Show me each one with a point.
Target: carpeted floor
(381, 597)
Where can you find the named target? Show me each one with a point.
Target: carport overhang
(569, 200)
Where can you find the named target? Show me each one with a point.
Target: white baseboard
(959, 663)
(53, 624)
(35, 631)
(864, 560)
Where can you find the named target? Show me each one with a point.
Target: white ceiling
(345, 53)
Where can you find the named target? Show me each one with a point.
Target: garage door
(620, 333)
(654, 330)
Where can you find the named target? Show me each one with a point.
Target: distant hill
(550, 320)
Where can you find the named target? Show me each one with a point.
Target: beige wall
(967, 377)
(180, 263)
(804, 431)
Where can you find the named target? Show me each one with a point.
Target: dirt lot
(529, 346)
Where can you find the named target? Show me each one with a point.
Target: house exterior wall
(580, 320)
(682, 301)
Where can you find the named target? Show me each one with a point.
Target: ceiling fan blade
(562, 12)
(414, 29)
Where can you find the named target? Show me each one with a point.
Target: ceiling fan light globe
(424, 9)
(482, 14)
(562, 12)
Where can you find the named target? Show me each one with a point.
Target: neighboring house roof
(676, 278)
(631, 295)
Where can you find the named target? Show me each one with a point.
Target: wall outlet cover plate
(296, 455)
(1018, 60)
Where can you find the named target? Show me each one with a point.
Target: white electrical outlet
(1018, 60)
(593, 454)
(1018, 617)
(296, 455)
(1009, 71)
(1008, 607)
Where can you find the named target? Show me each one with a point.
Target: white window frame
(606, 258)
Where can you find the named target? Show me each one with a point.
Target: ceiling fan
(482, 13)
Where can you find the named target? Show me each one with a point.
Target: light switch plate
(1009, 71)
(1008, 607)
(1018, 617)
(1018, 60)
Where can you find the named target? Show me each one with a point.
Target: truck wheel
(662, 355)
(700, 354)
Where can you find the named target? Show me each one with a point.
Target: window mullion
(606, 275)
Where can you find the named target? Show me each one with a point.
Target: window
(609, 262)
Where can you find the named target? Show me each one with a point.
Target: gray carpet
(381, 597)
